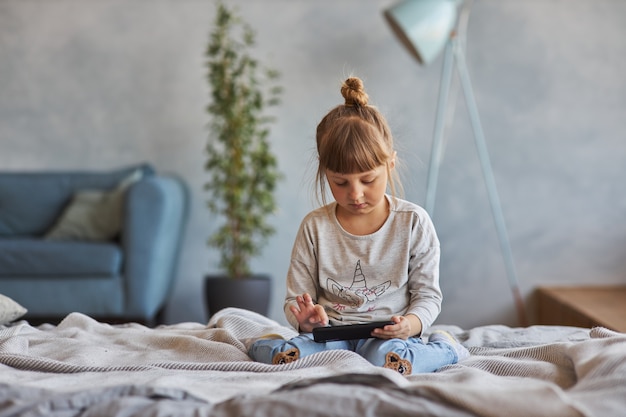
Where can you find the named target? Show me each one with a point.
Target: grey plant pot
(249, 293)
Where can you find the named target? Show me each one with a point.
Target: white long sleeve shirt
(393, 271)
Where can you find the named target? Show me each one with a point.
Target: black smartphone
(348, 331)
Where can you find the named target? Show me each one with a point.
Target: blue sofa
(105, 244)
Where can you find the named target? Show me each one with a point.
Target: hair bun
(353, 92)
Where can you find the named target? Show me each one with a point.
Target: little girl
(367, 256)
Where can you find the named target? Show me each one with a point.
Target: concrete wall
(101, 84)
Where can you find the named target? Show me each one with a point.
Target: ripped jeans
(409, 356)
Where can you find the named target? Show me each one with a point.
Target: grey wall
(100, 84)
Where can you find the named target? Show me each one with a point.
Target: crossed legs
(408, 357)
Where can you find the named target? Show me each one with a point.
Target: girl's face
(361, 193)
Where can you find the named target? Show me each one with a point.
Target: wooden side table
(583, 306)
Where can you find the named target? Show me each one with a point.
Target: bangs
(353, 147)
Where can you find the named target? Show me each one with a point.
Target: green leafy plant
(243, 170)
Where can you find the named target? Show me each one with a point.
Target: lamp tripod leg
(490, 184)
(436, 152)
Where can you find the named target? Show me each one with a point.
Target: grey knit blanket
(83, 367)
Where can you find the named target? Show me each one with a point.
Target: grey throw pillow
(10, 310)
(93, 214)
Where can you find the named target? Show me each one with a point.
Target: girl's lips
(359, 206)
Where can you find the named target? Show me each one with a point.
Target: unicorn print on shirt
(358, 293)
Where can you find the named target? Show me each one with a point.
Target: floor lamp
(426, 28)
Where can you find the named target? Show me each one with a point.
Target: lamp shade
(423, 26)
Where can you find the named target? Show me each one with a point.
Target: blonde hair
(353, 138)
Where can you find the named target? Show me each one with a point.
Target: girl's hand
(404, 327)
(309, 315)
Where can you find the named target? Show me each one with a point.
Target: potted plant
(242, 169)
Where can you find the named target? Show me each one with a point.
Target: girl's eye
(368, 181)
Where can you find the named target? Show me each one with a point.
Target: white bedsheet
(83, 367)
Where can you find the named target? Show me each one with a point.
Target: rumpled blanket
(87, 368)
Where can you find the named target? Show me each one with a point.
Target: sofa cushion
(93, 214)
(46, 258)
(30, 202)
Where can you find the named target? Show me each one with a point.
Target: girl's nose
(355, 192)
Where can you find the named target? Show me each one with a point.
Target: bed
(88, 368)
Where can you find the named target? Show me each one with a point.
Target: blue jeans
(389, 353)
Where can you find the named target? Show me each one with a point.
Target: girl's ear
(392, 163)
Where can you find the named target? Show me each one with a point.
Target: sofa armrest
(155, 214)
